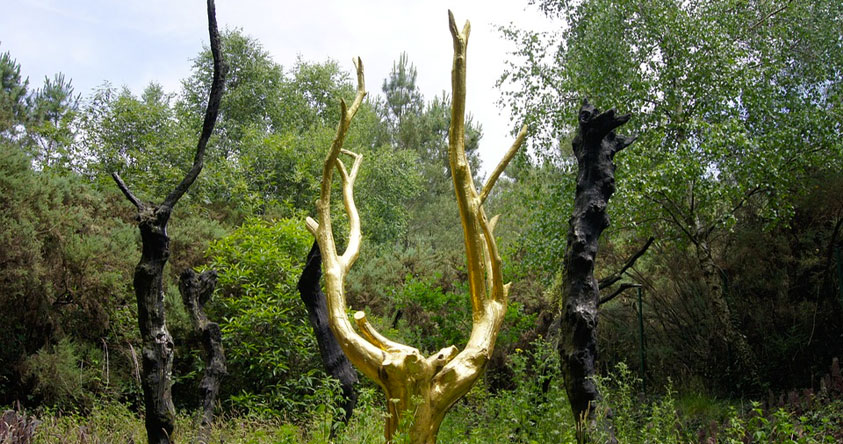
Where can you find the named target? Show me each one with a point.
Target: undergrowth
(535, 410)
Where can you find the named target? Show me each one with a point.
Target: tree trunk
(336, 363)
(157, 351)
(594, 146)
(196, 290)
(744, 357)
(157, 355)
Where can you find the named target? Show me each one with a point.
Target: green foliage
(137, 137)
(534, 411)
(388, 182)
(51, 129)
(270, 349)
(64, 266)
(427, 308)
(65, 376)
(403, 100)
(12, 96)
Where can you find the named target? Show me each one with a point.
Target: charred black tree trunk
(595, 145)
(152, 219)
(335, 361)
(196, 290)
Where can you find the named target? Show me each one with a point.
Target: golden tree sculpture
(418, 387)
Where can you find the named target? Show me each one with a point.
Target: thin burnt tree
(595, 146)
(152, 219)
(336, 363)
(196, 290)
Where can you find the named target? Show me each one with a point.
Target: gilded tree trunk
(196, 290)
(420, 388)
(336, 363)
(595, 146)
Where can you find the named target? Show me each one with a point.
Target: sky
(134, 42)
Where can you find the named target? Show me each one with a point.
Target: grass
(534, 411)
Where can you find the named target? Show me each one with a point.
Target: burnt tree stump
(595, 146)
(196, 290)
(336, 363)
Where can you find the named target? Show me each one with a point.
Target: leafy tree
(140, 138)
(737, 104)
(253, 91)
(63, 266)
(403, 100)
(13, 93)
(51, 130)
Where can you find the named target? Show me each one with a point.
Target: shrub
(269, 344)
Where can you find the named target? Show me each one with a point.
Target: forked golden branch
(423, 387)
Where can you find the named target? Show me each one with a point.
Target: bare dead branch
(126, 192)
(623, 287)
(770, 15)
(211, 112)
(616, 276)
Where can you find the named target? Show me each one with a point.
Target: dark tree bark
(157, 354)
(336, 363)
(196, 290)
(595, 146)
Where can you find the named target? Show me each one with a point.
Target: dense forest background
(737, 175)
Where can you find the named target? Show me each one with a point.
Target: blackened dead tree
(336, 363)
(595, 146)
(196, 290)
(152, 219)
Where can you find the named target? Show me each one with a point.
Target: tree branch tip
(627, 140)
(312, 225)
(341, 169)
(126, 191)
(351, 153)
(452, 25)
(493, 222)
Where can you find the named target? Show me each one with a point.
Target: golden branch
(503, 163)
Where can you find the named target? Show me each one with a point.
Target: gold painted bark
(422, 387)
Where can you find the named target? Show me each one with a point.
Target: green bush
(64, 269)
(271, 352)
(535, 411)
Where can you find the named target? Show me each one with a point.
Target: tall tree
(13, 93)
(140, 138)
(403, 99)
(54, 108)
(595, 146)
(157, 355)
(738, 103)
